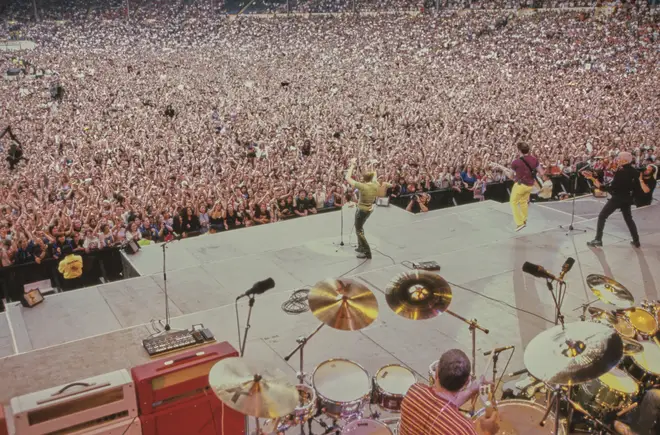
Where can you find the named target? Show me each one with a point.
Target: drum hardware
(587, 307)
(627, 409)
(610, 291)
(421, 295)
(631, 347)
(302, 342)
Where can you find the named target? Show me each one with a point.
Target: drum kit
(599, 367)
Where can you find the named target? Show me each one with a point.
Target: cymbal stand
(559, 394)
(302, 341)
(584, 307)
(472, 326)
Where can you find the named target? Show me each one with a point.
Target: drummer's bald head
(453, 370)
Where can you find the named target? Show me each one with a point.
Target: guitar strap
(532, 171)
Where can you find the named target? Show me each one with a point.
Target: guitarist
(526, 168)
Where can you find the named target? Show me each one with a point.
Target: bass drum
(522, 417)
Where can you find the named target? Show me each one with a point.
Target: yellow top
(368, 194)
(71, 266)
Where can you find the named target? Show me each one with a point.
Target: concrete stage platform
(87, 332)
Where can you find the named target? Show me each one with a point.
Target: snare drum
(433, 369)
(645, 365)
(643, 321)
(342, 387)
(303, 412)
(612, 391)
(522, 417)
(366, 427)
(391, 383)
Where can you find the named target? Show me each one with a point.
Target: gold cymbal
(610, 291)
(343, 304)
(577, 353)
(240, 387)
(418, 295)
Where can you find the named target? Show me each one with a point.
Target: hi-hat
(418, 295)
(580, 352)
(343, 304)
(243, 389)
(610, 291)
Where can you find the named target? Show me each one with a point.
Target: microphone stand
(167, 300)
(570, 227)
(247, 324)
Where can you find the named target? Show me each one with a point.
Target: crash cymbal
(258, 394)
(343, 304)
(610, 291)
(631, 347)
(580, 352)
(418, 295)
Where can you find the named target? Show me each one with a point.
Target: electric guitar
(511, 173)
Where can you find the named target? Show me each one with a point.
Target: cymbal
(631, 347)
(240, 387)
(343, 304)
(580, 352)
(610, 291)
(418, 295)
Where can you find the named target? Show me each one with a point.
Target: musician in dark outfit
(625, 182)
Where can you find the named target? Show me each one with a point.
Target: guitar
(511, 173)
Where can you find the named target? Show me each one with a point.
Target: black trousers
(617, 203)
(361, 217)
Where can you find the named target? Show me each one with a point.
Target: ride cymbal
(343, 304)
(610, 291)
(418, 295)
(240, 387)
(577, 353)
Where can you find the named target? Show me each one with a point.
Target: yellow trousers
(519, 202)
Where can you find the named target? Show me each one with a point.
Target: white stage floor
(82, 333)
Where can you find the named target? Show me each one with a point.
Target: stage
(87, 332)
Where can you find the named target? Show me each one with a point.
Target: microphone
(568, 265)
(259, 287)
(518, 373)
(538, 271)
(498, 350)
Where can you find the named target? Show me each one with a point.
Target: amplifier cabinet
(174, 396)
(103, 404)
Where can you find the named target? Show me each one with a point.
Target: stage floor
(87, 332)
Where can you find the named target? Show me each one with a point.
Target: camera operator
(647, 182)
(418, 203)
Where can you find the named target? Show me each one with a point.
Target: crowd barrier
(104, 263)
(499, 192)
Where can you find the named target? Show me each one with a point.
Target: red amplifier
(174, 396)
(3, 421)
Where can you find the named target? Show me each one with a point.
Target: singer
(368, 193)
(622, 188)
(526, 167)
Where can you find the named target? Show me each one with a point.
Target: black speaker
(131, 247)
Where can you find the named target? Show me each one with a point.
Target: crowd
(190, 123)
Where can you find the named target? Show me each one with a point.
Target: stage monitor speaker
(132, 247)
(32, 297)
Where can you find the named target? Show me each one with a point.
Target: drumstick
(490, 359)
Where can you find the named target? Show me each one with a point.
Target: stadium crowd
(183, 122)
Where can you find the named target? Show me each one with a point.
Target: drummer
(645, 420)
(434, 410)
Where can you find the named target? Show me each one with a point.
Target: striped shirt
(424, 412)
